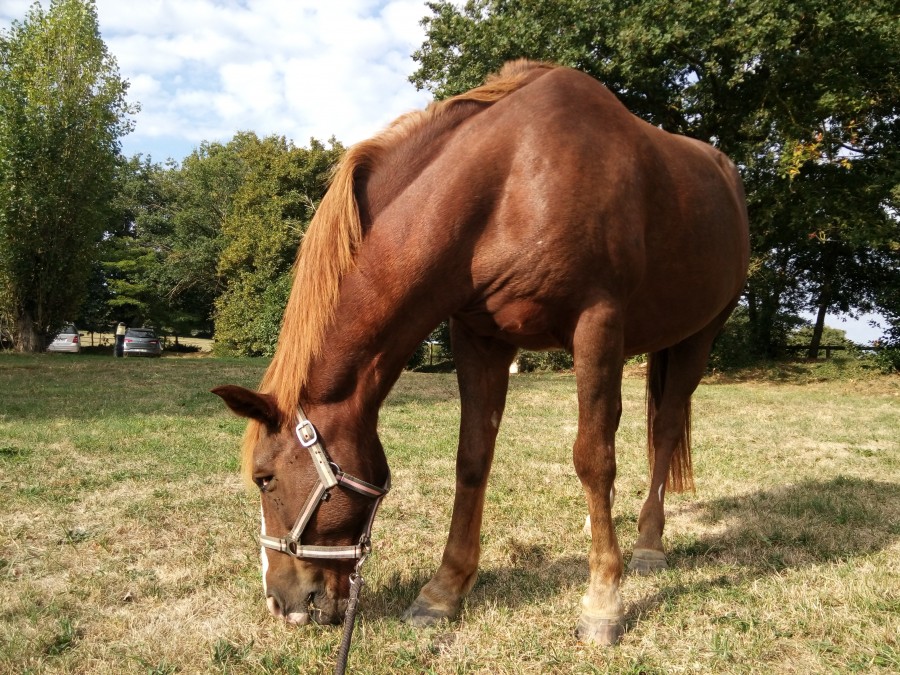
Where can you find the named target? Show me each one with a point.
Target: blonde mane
(328, 249)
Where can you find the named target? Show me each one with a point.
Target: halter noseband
(330, 475)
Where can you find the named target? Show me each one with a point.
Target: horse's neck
(368, 344)
(402, 160)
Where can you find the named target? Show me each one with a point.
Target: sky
(203, 70)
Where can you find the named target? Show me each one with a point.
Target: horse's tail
(681, 474)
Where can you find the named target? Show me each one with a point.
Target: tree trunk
(819, 327)
(27, 338)
(826, 270)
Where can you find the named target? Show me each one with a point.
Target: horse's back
(597, 206)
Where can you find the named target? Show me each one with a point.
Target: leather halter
(330, 475)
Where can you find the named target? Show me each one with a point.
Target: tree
(804, 95)
(187, 223)
(160, 259)
(62, 111)
(279, 189)
(122, 285)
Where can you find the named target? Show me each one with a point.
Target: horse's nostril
(279, 610)
(274, 606)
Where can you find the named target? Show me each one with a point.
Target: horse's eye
(264, 483)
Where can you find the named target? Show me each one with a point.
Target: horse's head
(316, 517)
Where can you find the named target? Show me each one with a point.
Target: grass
(128, 544)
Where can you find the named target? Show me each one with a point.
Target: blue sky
(205, 69)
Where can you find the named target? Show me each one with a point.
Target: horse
(535, 212)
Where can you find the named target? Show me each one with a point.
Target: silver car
(67, 340)
(141, 342)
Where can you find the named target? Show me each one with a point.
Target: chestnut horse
(537, 213)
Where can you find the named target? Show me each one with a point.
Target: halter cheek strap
(330, 475)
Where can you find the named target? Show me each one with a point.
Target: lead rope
(356, 584)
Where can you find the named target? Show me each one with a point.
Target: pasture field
(128, 543)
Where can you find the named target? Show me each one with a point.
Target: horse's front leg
(598, 349)
(482, 370)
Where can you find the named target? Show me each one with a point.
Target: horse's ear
(250, 404)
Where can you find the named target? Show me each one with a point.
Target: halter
(330, 475)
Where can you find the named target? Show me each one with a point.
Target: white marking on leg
(659, 492)
(263, 554)
(612, 496)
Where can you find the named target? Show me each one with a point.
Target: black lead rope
(356, 584)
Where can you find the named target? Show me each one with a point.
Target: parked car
(67, 340)
(141, 342)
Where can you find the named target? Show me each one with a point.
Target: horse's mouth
(324, 610)
(320, 609)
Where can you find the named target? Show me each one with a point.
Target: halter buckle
(306, 434)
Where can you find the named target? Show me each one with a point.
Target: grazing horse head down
(537, 213)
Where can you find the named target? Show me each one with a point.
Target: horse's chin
(324, 610)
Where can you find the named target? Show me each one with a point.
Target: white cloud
(204, 69)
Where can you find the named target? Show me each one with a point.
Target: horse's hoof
(423, 613)
(647, 561)
(599, 631)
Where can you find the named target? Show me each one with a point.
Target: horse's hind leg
(672, 377)
(598, 348)
(482, 368)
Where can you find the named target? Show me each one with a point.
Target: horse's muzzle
(325, 610)
(318, 607)
(288, 615)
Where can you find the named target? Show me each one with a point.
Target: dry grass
(127, 543)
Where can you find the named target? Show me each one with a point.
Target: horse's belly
(527, 324)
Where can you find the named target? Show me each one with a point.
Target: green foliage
(249, 316)
(211, 240)
(530, 362)
(434, 351)
(196, 201)
(62, 111)
(888, 359)
(888, 354)
(830, 336)
(269, 212)
(735, 346)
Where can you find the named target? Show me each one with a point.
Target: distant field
(128, 544)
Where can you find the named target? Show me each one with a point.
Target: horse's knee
(595, 468)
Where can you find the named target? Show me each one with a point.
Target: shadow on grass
(786, 528)
(792, 526)
(767, 532)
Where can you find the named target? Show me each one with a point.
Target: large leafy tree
(210, 242)
(160, 263)
(188, 225)
(121, 287)
(803, 94)
(62, 113)
(271, 209)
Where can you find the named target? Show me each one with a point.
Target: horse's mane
(329, 246)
